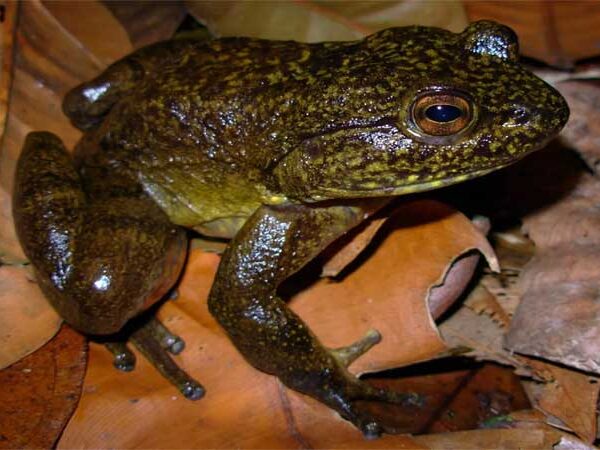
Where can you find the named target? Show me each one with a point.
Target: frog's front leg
(272, 245)
(101, 260)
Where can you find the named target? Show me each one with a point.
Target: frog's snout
(541, 120)
(551, 118)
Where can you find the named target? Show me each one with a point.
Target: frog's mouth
(325, 193)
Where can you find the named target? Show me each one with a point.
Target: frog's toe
(347, 355)
(192, 390)
(156, 342)
(364, 391)
(350, 402)
(123, 358)
(370, 427)
(167, 340)
(174, 344)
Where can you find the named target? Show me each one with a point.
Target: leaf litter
(40, 74)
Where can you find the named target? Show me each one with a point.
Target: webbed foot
(123, 358)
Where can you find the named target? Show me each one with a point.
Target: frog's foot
(347, 355)
(154, 341)
(350, 402)
(123, 358)
(169, 341)
(348, 398)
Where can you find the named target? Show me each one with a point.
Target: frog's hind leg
(100, 261)
(273, 244)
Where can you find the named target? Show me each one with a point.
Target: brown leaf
(582, 132)
(420, 228)
(480, 336)
(26, 319)
(491, 439)
(572, 398)
(560, 308)
(481, 301)
(147, 22)
(351, 249)
(7, 35)
(41, 391)
(91, 34)
(313, 21)
(246, 408)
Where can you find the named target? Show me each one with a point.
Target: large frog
(280, 146)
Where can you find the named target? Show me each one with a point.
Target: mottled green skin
(245, 138)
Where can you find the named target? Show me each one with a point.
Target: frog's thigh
(99, 262)
(272, 245)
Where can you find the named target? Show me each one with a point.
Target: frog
(281, 147)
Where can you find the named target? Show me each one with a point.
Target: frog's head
(429, 108)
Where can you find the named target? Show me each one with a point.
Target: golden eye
(441, 114)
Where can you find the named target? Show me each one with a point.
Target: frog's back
(200, 134)
(186, 133)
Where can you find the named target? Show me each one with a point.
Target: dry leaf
(351, 249)
(146, 22)
(246, 408)
(313, 21)
(582, 132)
(571, 397)
(41, 391)
(516, 439)
(7, 35)
(480, 337)
(91, 34)
(559, 313)
(26, 319)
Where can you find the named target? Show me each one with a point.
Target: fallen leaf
(313, 21)
(7, 36)
(481, 301)
(559, 313)
(571, 443)
(26, 319)
(481, 337)
(516, 439)
(246, 408)
(571, 397)
(582, 132)
(91, 34)
(41, 391)
(147, 22)
(351, 249)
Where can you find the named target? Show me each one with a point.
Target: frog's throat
(327, 193)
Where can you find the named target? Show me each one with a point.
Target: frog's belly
(221, 228)
(212, 202)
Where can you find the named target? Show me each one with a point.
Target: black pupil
(443, 113)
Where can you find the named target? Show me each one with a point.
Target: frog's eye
(441, 114)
